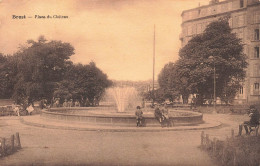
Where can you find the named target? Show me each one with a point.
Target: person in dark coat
(254, 120)
(139, 116)
(158, 113)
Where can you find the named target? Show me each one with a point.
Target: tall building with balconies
(245, 22)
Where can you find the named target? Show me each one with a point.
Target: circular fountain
(118, 109)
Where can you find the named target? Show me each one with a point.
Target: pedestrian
(77, 104)
(70, 103)
(15, 109)
(139, 116)
(87, 102)
(165, 112)
(254, 120)
(30, 109)
(166, 121)
(65, 103)
(193, 103)
(56, 102)
(158, 113)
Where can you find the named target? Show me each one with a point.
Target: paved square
(43, 146)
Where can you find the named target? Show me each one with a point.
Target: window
(185, 33)
(241, 20)
(241, 3)
(241, 90)
(204, 11)
(256, 70)
(239, 33)
(256, 86)
(203, 26)
(190, 30)
(256, 52)
(199, 28)
(256, 34)
(224, 7)
(257, 17)
(235, 21)
(194, 29)
(230, 22)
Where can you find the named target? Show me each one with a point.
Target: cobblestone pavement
(43, 146)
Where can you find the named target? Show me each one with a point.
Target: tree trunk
(200, 100)
(185, 98)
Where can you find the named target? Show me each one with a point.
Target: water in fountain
(125, 98)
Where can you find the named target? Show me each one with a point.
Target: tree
(41, 66)
(8, 72)
(218, 42)
(97, 82)
(193, 73)
(168, 83)
(83, 82)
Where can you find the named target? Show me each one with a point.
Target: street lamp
(153, 63)
(213, 59)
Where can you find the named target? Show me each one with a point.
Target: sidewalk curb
(125, 129)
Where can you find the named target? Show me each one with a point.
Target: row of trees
(193, 72)
(43, 70)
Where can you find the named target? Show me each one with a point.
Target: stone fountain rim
(119, 115)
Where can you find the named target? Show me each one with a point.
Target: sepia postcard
(129, 82)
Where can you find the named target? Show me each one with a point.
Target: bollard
(211, 146)
(202, 139)
(12, 143)
(223, 156)
(224, 153)
(234, 157)
(3, 146)
(214, 146)
(207, 140)
(17, 137)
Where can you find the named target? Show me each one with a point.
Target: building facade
(245, 22)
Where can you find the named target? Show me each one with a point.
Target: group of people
(162, 116)
(70, 103)
(57, 102)
(66, 103)
(160, 113)
(22, 110)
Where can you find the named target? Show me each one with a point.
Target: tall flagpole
(153, 61)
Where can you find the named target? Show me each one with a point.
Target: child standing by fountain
(139, 116)
(158, 113)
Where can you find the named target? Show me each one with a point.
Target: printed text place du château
(40, 17)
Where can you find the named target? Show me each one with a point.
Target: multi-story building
(245, 22)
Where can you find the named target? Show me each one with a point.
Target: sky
(116, 34)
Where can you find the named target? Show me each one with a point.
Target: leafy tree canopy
(83, 82)
(169, 82)
(194, 71)
(41, 66)
(43, 69)
(8, 72)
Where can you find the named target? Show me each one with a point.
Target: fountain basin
(107, 116)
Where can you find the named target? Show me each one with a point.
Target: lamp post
(153, 62)
(213, 59)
